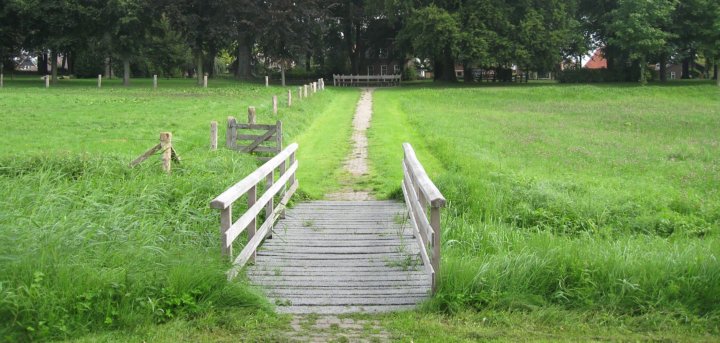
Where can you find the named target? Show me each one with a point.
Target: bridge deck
(333, 257)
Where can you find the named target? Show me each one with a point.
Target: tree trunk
(663, 68)
(243, 58)
(445, 68)
(107, 67)
(643, 65)
(282, 73)
(467, 73)
(308, 59)
(53, 63)
(686, 68)
(199, 66)
(126, 71)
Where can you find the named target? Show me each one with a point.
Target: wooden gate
(254, 138)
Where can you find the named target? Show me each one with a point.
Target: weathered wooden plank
(349, 279)
(339, 283)
(252, 137)
(145, 155)
(278, 272)
(341, 309)
(260, 149)
(340, 250)
(259, 140)
(255, 126)
(343, 301)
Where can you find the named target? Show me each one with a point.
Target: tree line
(187, 37)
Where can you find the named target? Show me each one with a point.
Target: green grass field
(572, 198)
(575, 212)
(87, 244)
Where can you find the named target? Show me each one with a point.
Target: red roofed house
(597, 61)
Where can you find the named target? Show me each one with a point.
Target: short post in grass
(231, 133)
(213, 135)
(289, 97)
(2, 80)
(275, 104)
(166, 147)
(205, 77)
(47, 81)
(99, 80)
(251, 115)
(155, 81)
(267, 81)
(305, 91)
(300, 92)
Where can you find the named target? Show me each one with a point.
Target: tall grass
(587, 197)
(87, 244)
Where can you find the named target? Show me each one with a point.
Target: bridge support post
(435, 224)
(225, 223)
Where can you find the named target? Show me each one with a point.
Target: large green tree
(637, 27)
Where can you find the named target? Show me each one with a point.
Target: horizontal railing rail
(284, 187)
(421, 195)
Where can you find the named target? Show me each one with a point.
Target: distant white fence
(366, 80)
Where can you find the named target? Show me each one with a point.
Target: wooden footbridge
(333, 257)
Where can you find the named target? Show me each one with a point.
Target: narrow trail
(356, 164)
(331, 328)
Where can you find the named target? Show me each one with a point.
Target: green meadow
(586, 212)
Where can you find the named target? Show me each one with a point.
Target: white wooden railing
(284, 187)
(422, 195)
(366, 80)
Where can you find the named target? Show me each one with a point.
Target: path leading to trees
(356, 164)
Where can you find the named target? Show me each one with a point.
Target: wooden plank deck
(333, 257)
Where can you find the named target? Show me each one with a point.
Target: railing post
(231, 133)
(275, 104)
(289, 98)
(435, 224)
(225, 223)
(252, 227)
(270, 206)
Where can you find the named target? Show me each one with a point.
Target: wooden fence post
(166, 146)
(305, 91)
(205, 77)
(231, 133)
(275, 104)
(267, 81)
(155, 81)
(299, 92)
(213, 135)
(2, 80)
(289, 97)
(99, 80)
(47, 81)
(251, 115)
(278, 137)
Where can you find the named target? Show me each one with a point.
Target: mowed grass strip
(88, 245)
(598, 198)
